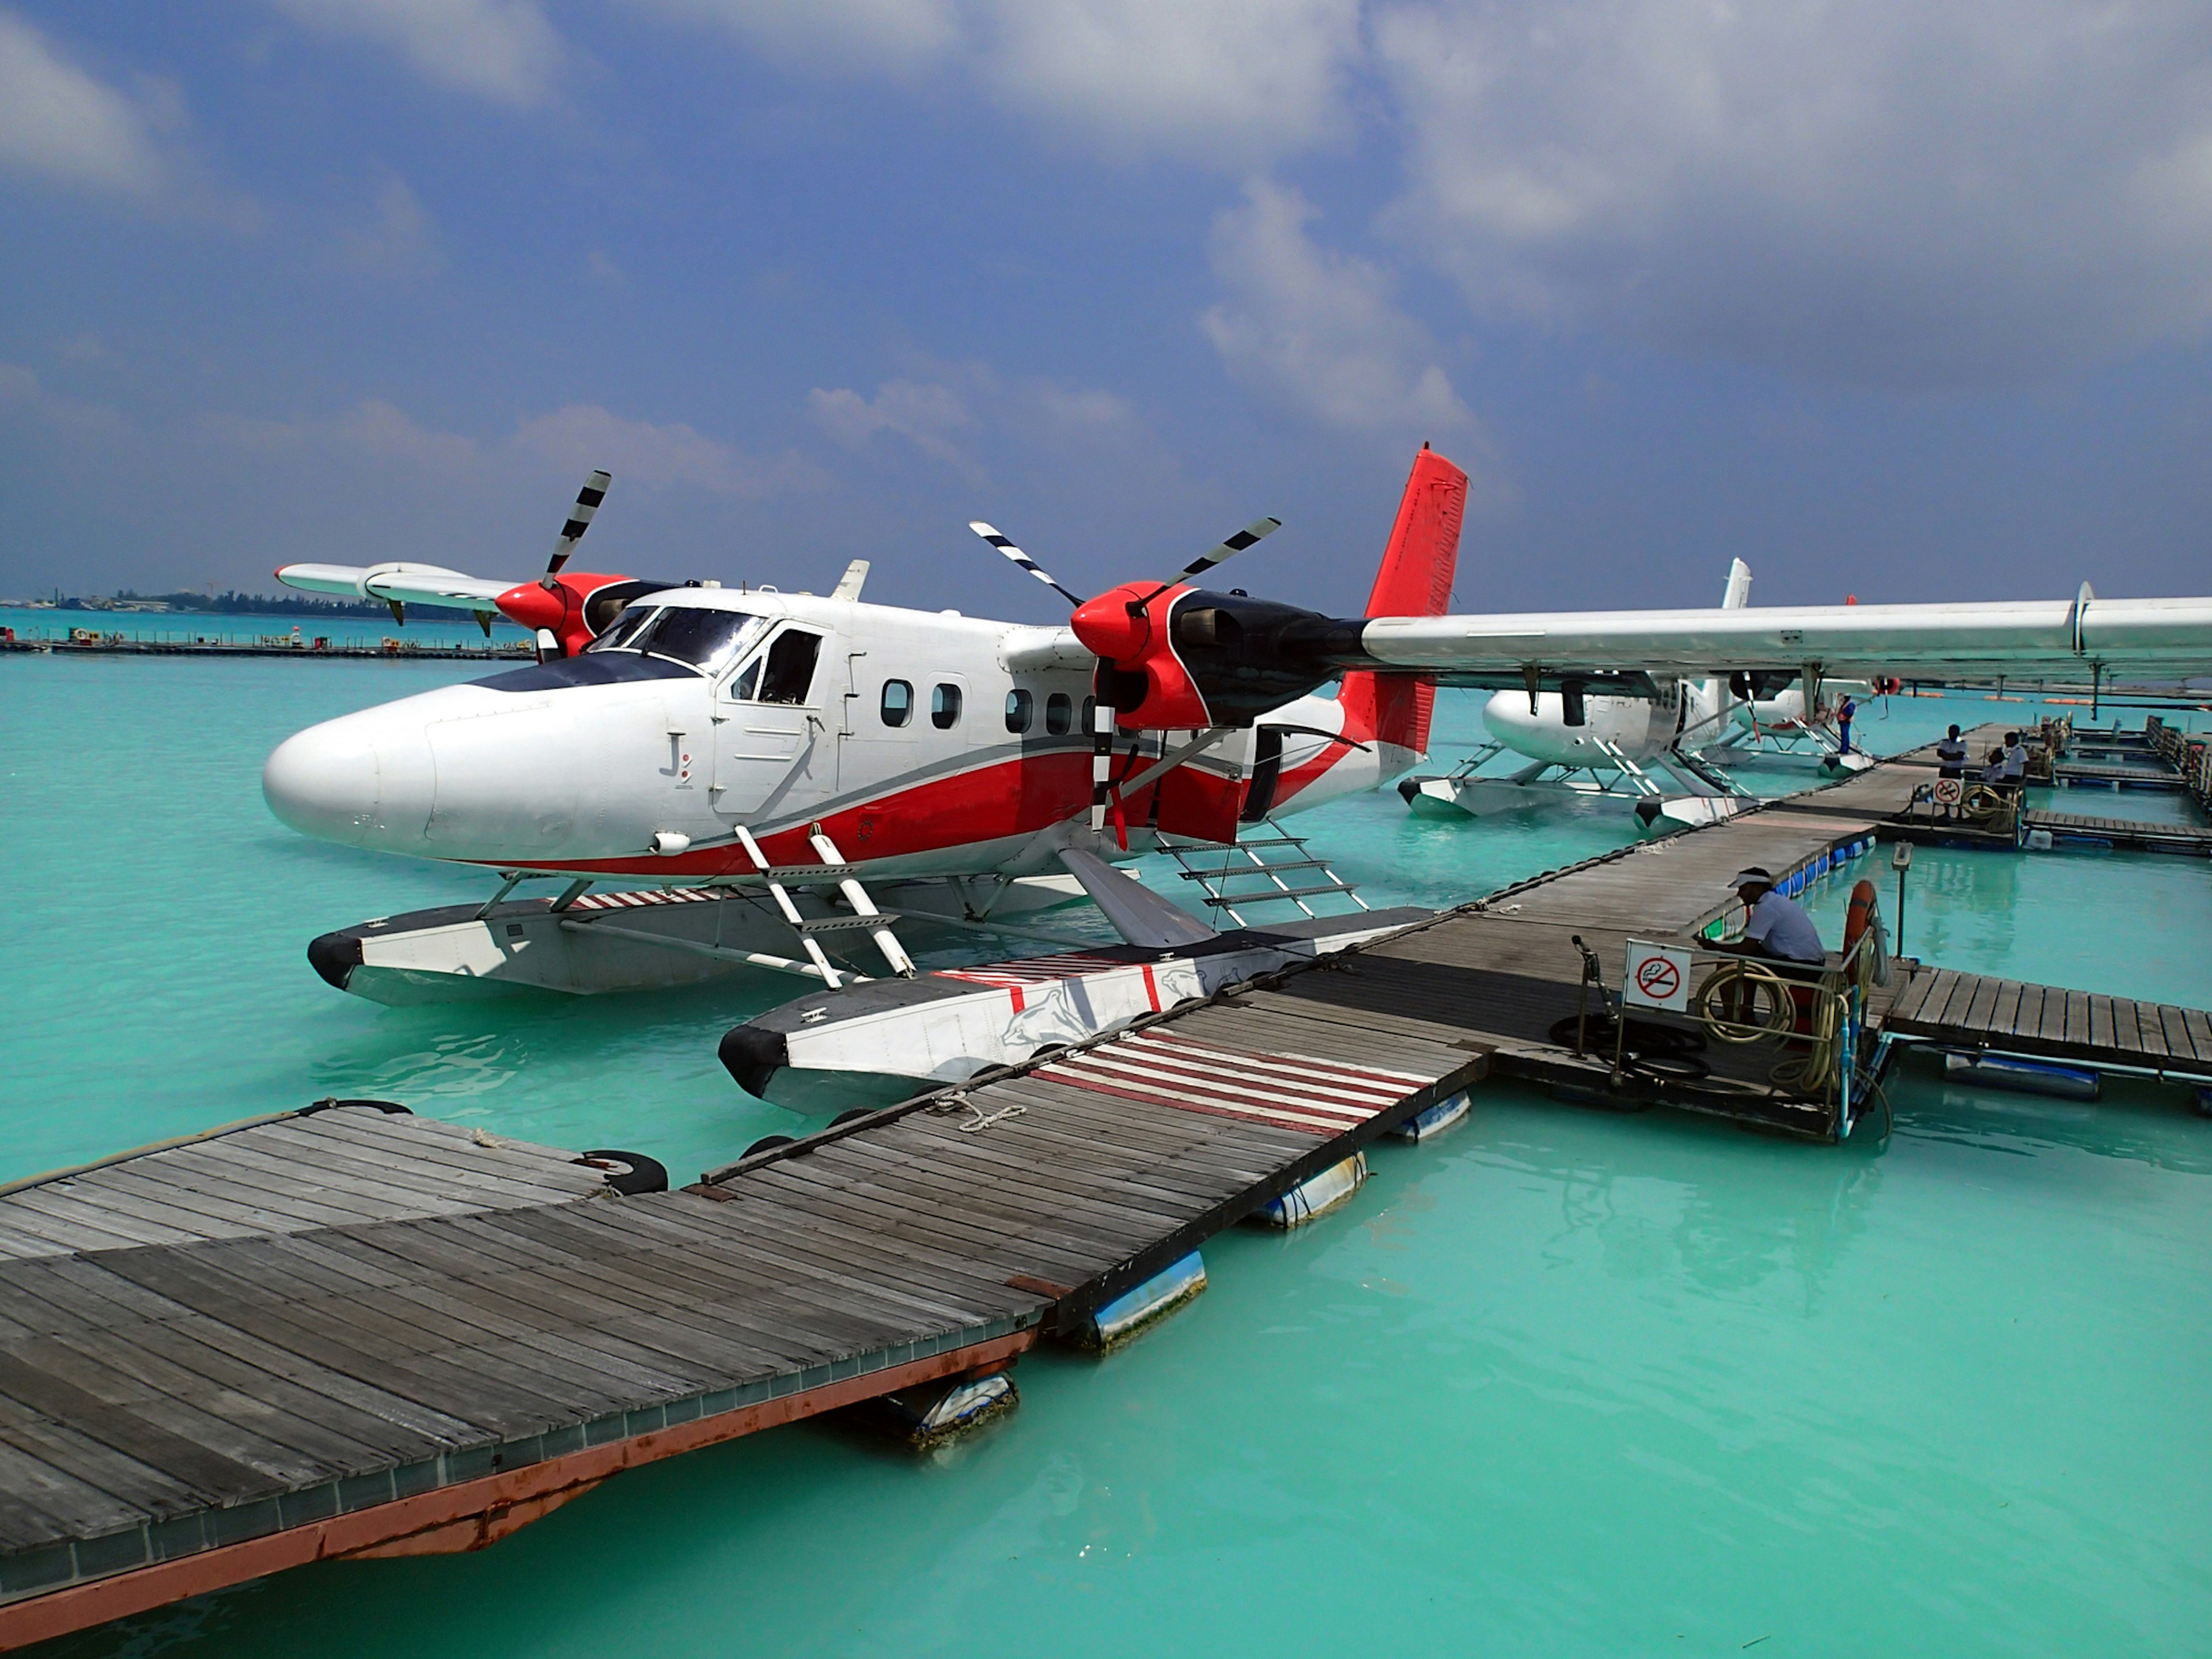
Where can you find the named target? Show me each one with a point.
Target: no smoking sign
(1657, 976)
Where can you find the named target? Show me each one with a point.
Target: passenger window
(1020, 707)
(790, 672)
(898, 703)
(945, 707)
(1059, 713)
(1090, 716)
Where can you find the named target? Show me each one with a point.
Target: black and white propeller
(1103, 711)
(579, 520)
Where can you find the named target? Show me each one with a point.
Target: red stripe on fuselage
(1001, 801)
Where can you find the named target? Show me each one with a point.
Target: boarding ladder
(1273, 865)
(865, 917)
(1639, 780)
(1704, 771)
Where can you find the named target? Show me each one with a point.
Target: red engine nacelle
(573, 606)
(1127, 627)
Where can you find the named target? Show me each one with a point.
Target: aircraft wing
(408, 583)
(2014, 639)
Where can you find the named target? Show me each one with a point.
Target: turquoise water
(1561, 1382)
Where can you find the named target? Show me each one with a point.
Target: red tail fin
(1415, 581)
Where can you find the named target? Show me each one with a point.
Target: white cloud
(897, 35)
(926, 414)
(1222, 82)
(1318, 329)
(1888, 193)
(397, 240)
(503, 49)
(23, 394)
(58, 122)
(581, 436)
(1227, 82)
(573, 439)
(1081, 409)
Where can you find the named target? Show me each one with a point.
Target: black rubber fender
(389, 1107)
(636, 1173)
(752, 1056)
(852, 1114)
(335, 956)
(767, 1143)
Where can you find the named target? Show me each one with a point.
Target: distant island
(231, 603)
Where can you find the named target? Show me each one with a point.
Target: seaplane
(1584, 746)
(726, 778)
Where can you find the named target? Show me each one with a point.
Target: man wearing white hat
(1778, 927)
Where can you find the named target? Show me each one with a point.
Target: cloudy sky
(1905, 301)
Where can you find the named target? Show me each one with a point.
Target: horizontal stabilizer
(1139, 914)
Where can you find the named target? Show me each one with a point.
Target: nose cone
(324, 782)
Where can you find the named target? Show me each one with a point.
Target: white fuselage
(922, 743)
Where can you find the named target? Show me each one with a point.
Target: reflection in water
(2137, 1120)
(1727, 1234)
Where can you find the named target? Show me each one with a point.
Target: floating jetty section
(349, 1333)
(88, 642)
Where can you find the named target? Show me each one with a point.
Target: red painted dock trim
(460, 1517)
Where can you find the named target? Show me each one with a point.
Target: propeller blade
(1258, 529)
(579, 520)
(1102, 763)
(1022, 559)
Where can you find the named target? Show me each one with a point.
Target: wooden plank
(2101, 1024)
(2029, 1019)
(2004, 1016)
(2126, 1035)
(1982, 1004)
(2175, 1029)
(2151, 1029)
(2198, 1026)
(2052, 1026)
(2077, 1018)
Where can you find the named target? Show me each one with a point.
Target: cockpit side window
(625, 628)
(790, 673)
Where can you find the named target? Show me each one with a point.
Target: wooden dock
(349, 1333)
(2073, 775)
(1970, 1010)
(2126, 834)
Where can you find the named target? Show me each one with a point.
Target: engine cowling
(1179, 658)
(575, 606)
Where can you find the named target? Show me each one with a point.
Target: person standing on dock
(1951, 762)
(2015, 762)
(1845, 711)
(1951, 755)
(1777, 927)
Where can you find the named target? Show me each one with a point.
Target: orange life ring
(1860, 917)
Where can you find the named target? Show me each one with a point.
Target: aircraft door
(770, 737)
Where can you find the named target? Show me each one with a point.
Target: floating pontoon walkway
(2127, 835)
(347, 1333)
(1970, 1011)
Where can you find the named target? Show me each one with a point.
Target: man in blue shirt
(1845, 712)
(1778, 927)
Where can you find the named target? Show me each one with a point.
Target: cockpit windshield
(709, 641)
